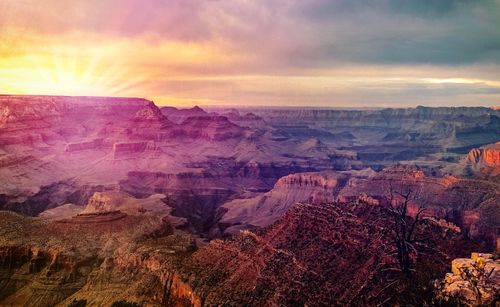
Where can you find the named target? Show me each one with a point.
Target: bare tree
(404, 227)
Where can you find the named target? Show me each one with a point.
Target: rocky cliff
(51, 118)
(471, 204)
(179, 115)
(316, 255)
(413, 132)
(133, 149)
(97, 255)
(118, 191)
(475, 280)
(485, 161)
(248, 120)
(264, 209)
(377, 116)
(47, 141)
(105, 202)
(215, 128)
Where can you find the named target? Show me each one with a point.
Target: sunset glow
(249, 52)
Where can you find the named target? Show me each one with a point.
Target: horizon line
(227, 106)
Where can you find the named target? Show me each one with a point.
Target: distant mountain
(179, 115)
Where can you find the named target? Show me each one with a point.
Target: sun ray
(71, 72)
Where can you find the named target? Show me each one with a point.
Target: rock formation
(485, 161)
(471, 204)
(323, 254)
(10, 160)
(91, 257)
(214, 128)
(248, 120)
(128, 149)
(421, 131)
(264, 209)
(85, 145)
(474, 281)
(104, 202)
(474, 205)
(179, 115)
(315, 254)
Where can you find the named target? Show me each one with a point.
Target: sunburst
(70, 72)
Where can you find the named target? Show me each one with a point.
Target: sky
(330, 53)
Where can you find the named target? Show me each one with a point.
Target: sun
(65, 72)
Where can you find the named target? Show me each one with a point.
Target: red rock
(485, 160)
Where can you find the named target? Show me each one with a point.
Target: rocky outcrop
(475, 280)
(471, 204)
(488, 155)
(37, 121)
(86, 145)
(13, 160)
(322, 254)
(485, 161)
(215, 128)
(104, 202)
(95, 217)
(91, 257)
(314, 145)
(179, 115)
(128, 149)
(51, 196)
(195, 196)
(325, 180)
(315, 254)
(63, 212)
(266, 208)
(249, 120)
(198, 196)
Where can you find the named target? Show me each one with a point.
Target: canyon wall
(485, 161)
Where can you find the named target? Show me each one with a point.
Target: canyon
(109, 199)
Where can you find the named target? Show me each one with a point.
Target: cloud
(293, 32)
(287, 51)
(394, 32)
(432, 8)
(172, 18)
